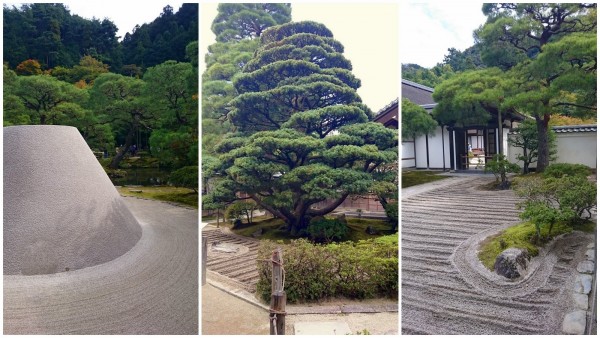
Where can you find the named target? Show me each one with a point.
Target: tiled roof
(387, 108)
(416, 93)
(584, 128)
(575, 129)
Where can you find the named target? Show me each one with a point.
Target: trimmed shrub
(186, 177)
(325, 230)
(551, 200)
(365, 269)
(559, 170)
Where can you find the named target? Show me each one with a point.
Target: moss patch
(519, 236)
(416, 177)
(169, 194)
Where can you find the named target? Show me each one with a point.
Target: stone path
(232, 256)
(445, 290)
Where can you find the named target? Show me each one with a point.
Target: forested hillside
(52, 35)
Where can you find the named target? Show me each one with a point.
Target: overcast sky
(124, 14)
(428, 29)
(369, 33)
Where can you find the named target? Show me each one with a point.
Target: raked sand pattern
(80, 259)
(446, 290)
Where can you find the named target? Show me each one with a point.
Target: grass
(519, 236)
(163, 193)
(416, 177)
(271, 229)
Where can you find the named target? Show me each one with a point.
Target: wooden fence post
(278, 298)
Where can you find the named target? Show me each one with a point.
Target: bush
(559, 170)
(391, 211)
(365, 269)
(501, 167)
(239, 209)
(551, 200)
(186, 177)
(325, 230)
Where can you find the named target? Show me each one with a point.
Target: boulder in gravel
(583, 284)
(586, 267)
(581, 301)
(511, 263)
(574, 322)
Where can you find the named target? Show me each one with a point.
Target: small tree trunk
(114, 164)
(543, 159)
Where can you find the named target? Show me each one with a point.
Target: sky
(369, 33)
(125, 15)
(428, 29)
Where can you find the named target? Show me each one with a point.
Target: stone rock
(257, 233)
(583, 284)
(586, 267)
(511, 263)
(371, 231)
(591, 245)
(581, 301)
(590, 255)
(574, 322)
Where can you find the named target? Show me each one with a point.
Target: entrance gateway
(455, 147)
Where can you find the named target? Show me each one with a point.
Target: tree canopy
(302, 134)
(237, 27)
(552, 48)
(415, 121)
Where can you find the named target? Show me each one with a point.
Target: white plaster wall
(420, 144)
(580, 147)
(436, 151)
(408, 151)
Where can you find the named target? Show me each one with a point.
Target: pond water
(143, 177)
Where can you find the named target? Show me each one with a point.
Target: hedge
(363, 269)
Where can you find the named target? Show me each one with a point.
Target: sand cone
(61, 211)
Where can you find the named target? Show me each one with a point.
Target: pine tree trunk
(543, 159)
(114, 164)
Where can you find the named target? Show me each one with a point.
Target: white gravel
(446, 290)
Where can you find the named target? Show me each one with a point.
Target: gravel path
(445, 290)
(151, 289)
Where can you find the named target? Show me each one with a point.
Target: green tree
(557, 59)
(473, 98)
(525, 137)
(185, 177)
(416, 121)
(302, 132)
(237, 21)
(49, 101)
(227, 57)
(117, 99)
(501, 167)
